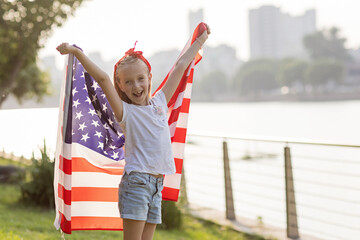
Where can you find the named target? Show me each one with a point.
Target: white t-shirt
(147, 137)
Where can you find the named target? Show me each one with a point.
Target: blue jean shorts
(140, 197)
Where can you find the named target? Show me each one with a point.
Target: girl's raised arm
(181, 65)
(99, 75)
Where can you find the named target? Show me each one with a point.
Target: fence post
(230, 211)
(291, 216)
(183, 191)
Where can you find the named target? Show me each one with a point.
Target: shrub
(11, 174)
(171, 216)
(39, 188)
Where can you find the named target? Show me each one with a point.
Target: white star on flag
(110, 121)
(115, 155)
(104, 107)
(95, 123)
(74, 91)
(101, 145)
(76, 103)
(85, 137)
(78, 115)
(92, 112)
(82, 126)
(95, 86)
(88, 100)
(94, 98)
(98, 134)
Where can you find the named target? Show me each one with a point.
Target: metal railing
(307, 187)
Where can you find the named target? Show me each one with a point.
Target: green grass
(20, 221)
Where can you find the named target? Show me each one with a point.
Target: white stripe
(95, 179)
(64, 180)
(96, 159)
(66, 151)
(89, 179)
(182, 120)
(179, 100)
(188, 91)
(172, 181)
(178, 149)
(95, 209)
(181, 123)
(91, 209)
(65, 210)
(172, 128)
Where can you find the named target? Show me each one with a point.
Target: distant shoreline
(328, 97)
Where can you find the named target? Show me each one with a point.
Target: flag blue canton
(93, 122)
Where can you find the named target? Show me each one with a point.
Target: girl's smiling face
(135, 82)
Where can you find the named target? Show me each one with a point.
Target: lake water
(326, 175)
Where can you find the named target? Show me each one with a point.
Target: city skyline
(161, 25)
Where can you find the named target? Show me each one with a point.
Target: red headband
(133, 53)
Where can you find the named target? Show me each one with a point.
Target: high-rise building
(195, 17)
(276, 34)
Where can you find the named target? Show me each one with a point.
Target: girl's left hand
(66, 48)
(204, 36)
(207, 29)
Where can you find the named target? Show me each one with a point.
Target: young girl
(148, 152)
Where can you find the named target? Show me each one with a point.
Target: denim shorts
(140, 197)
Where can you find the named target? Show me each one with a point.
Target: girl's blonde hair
(124, 62)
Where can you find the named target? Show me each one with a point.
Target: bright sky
(112, 26)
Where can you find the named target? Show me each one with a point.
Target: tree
(326, 44)
(323, 71)
(213, 86)
(256, 75)
(291, 71)
(24, 26)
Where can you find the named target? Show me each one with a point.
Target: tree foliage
(292, 71)
(256, 75)
(322, 71)
(326, 44)
(24, 25)
(213, 86)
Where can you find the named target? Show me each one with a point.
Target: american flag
(89, 154)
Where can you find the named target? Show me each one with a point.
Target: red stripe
(170, 194)
(178, 165)
(179, 135)
(185, 106)
(65, 224)
(190, 78)
(90, 223)
(175, 112)
(174, 116)
(65, 165)
(82, 165)
(64, 194)
(96, 223)
(94, 194)
(78, 194)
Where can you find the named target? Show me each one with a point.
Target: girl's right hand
(65, 48)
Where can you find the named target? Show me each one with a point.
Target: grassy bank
(20, 221)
